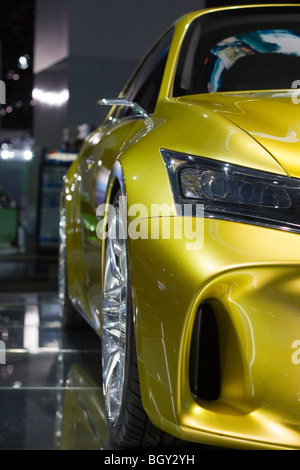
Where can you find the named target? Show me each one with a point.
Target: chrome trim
(62, 257)
(137, 109)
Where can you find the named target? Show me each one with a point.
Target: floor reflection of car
(83, 424)
(192, 276)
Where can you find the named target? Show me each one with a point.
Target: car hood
(271, 118)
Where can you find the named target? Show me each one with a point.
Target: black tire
(134, 429)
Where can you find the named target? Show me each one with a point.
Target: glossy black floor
(50, 378)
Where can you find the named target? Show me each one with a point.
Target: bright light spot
(23, 62)
(6, 154)
(28, 155)
(31, 327)
(52, 98)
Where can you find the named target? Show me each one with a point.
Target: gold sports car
(180, 241)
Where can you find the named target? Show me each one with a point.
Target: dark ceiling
(16, 37)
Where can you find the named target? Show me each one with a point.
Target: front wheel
(128, 424)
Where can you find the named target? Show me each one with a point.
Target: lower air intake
(204, 357)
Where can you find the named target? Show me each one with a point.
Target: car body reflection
(83, 424)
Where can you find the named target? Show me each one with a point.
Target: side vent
(204, 356)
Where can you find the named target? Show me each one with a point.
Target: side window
(144, 86)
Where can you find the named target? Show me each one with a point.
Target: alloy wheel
(114, 315)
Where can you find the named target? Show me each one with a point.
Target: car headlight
(233, 192)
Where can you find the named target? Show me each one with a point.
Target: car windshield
(234, 51)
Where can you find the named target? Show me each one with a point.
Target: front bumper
(250, 276)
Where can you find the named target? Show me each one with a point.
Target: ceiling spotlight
(23, 62)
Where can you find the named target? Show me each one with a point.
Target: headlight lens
(234, 192)
(219, 186)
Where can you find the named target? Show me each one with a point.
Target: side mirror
(137, 109)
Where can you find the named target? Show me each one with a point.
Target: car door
(123, 126)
